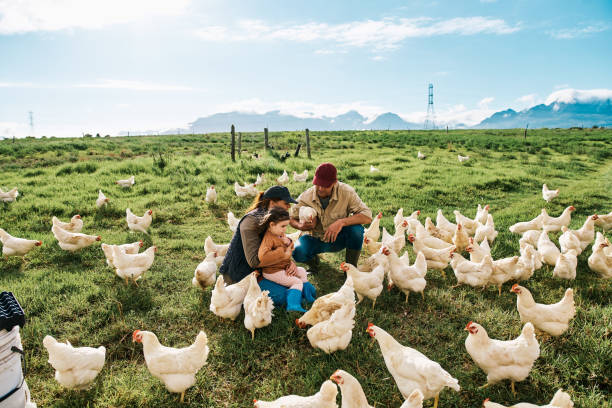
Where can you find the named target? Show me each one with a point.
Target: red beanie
(325, 175)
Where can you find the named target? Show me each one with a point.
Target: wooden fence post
(308, 143)
(297, 151)
(239, 143)
(233, 144)
(525, 137)
(266, 138)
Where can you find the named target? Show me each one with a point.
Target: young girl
(275, 257)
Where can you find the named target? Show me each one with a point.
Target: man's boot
(314, 264)
(352, 256)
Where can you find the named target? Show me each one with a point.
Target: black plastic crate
(11, 313)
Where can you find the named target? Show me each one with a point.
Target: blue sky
(93, 66)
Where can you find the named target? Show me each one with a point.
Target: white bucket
(11, 375)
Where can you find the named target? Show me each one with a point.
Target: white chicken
(586, 233)
(102, 200)
(460, 238)
(599, 261)
(205, 273)
(139, 224)
(307, 214)
(335, 333)
(210, 246)
(504, 270)
(552, 319)
(325, 398)
(560, 400)
(568, 241)
(176, 368)
(462, 158)
(126, 183)
(486, 231)
(133, 266)
(283, 178)
(132, 248)
(501, 360)
(534, 224)
(257, 307)
(482, 214)
(411, 369)
(408, 278)
(373, 169)
(226, 301)
(549, 251)
(9, 196)
(412, 219)
(366, 284)
(555, 223)
(371, 246)
(436, 232)
(548, 194)
(350, 389)
(373, 231)
(211, 195)
(302, 177)
(443, 223)
(294, 236)
(75, 367)
(75, 224)
(324, 306)
(397, 241)
(565, 267)
(469, 224)
(73, 241)
(437, 258)
(12, 246)
(471, 273)
(420, 155)
(530, 237)
(529, 261)
(232, 221)
(604, 221)
(259, 179)
(248, 190)
(414, 400)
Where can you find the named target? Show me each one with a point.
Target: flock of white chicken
(331, 316)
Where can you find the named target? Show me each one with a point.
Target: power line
(430, 120)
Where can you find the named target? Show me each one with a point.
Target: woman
(241, 258)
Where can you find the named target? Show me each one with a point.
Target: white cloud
(383, 34)
(378, 58)
(43, 15)
(484, 102)
(578, 32)
(455, 115)
(577, 95)
(527, 101)
(133, 86)
(562, 86)
(16, 85)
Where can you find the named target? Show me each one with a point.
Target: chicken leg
(436, 399)
(182, 397)
(512, 387)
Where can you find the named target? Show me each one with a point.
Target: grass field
(76, 297)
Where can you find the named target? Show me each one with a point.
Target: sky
(87, 66)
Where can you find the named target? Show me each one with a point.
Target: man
(338, 225)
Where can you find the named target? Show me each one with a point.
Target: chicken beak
(136, 336)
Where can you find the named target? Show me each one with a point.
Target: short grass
(77, 297)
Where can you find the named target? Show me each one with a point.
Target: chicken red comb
(487, 208)
(135, 334)
(78, 216)
(39, 243)
(140, 243)
(98, 238)
(485, 401)
(370, 325)
(467, 326)
(418, 212)
(150, 212)
(514, 286)
(458, 226)
(379, 215)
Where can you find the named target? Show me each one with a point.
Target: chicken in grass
(211, 195)
(438, 232)
(586, 233)
(371, 246)
(260, 179)
(604, 221)
(504, 270)
(503, 360)
(469, 224)
(373, 231)
(420, 155)
(555, 223)
(600, 261)
(373, 169)
(75, 367)
(568, 241)
(210, 246)
(283, 178)
(232, 221)
(397, 241)
(411, 369)
(471, 273)
(324, 306)
(565, 267)
(102, 200)
(552, 319)
(351, 390)
(132, 249)
(412, 219)
(366, 284)
(530, 237)
(205, 274)
(522, 227)
(226, 301)
(139, 224)
(462, 158)
(71, 241)
(529, 261)
(414, 400)
(560, 400)
(257, 307)
(12, 246)
(549, 251)
(248, 190)
(408, 278)
(75, 224)
(9, 196)
(325, 398)
(126, 183)
(486, 231)
(482, 214)
(437, 258)
(133, 266)
(175, 367)
(302, 177)
(443, 223)
(460, 238)
(548, 194)
(335, 333)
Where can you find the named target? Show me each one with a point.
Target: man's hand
(333, 230)
(304, 226)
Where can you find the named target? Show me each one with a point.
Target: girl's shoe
(294, 301)
(309, 292)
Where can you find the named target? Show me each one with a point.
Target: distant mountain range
(553, 115)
